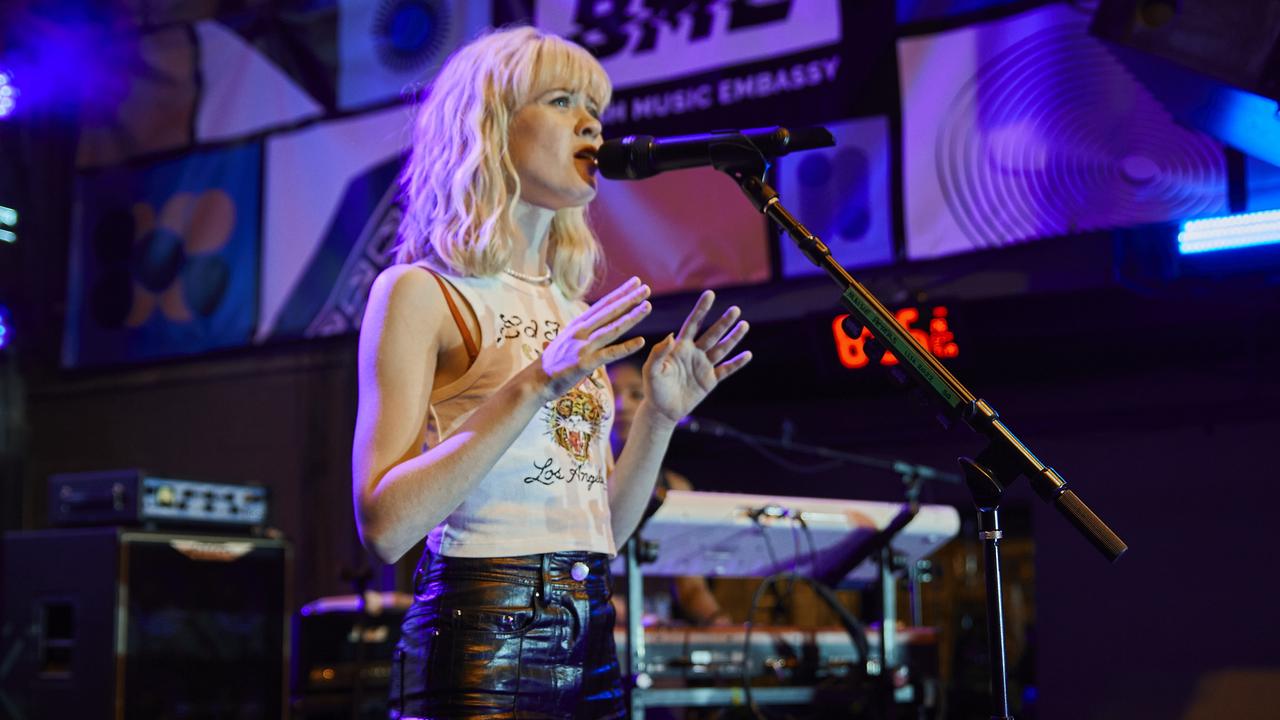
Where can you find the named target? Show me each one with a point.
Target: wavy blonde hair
(459, 183)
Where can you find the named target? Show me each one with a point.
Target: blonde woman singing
(485, 410)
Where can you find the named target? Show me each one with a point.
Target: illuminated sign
(937, 339)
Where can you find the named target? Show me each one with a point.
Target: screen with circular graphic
(1027, 127)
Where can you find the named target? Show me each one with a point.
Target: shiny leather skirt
(508, 637)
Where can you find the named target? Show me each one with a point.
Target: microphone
(636, 157)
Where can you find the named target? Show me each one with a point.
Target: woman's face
(628, 393)
(553, 142)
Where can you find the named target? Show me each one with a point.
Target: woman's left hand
(684, 367)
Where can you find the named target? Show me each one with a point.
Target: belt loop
(546, 577)
(420, 572)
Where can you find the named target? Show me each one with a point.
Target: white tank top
(547, 493)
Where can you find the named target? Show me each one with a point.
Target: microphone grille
(809, 138)
(625, 158)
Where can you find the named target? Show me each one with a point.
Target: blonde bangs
(558, 61)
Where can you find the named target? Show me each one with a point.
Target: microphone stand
(1005, 458)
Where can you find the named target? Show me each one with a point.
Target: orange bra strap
(472, 350)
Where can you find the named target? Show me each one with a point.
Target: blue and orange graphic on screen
(165, 258)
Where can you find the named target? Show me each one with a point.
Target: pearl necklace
(543, 279)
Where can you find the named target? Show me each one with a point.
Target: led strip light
(1231, 232)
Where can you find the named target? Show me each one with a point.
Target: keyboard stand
(713, 534)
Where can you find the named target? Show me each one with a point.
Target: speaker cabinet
(116, 623)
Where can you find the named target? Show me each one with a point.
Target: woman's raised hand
(589, 341)
(684, 367)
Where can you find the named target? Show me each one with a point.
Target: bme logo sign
(647, 41)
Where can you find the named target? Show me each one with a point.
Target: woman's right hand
(588, 342)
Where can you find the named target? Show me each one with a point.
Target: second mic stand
(912, 473)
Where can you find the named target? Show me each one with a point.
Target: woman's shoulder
(406, 289)
(402, 283)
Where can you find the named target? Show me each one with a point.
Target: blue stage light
(8, 221)
(5, 334)
(1230, 232)
(8, 94)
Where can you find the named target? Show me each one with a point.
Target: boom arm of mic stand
(740, 160)
(908, 471)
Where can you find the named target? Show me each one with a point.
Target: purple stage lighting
(8, 94)
(5, 333)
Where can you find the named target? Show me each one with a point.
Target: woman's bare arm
(679, 373)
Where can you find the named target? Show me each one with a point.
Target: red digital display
(937, 339)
